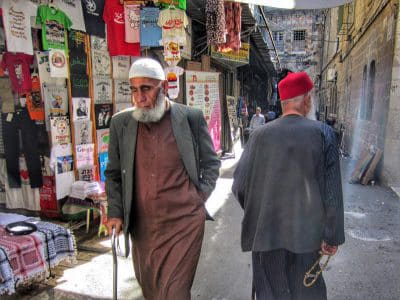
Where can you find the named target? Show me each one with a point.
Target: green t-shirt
(54, 25)
(178, 3)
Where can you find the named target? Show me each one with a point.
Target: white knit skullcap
(146, 67)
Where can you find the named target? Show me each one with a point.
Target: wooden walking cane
(115, 262)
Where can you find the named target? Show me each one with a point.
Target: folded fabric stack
(25, 259)
(81, 189)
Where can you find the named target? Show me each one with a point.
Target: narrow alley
(365, 267)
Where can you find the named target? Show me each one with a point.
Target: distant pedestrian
(292, 201)
(257, 120)
(271, 115)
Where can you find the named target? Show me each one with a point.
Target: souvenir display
(103, 114)
(172, 52)
(172, 74)
(80, 85)
(103, 160)
(93, 15)
(17, 66)
(173, 23)
(34, 101)
(120, 67)
(103, 139)
(150, 32)
(101, 64)
(84, 155)
(55, 100)
(81, 109)
(75, 13)
(83, 132)
(102, 90)
(87, 174)
(132, 23)
(58, 63)
(54, 23)
(122, 91)
(60, 132)
(17, 25)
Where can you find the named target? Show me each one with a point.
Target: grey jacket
(289, 185)
(194, 144)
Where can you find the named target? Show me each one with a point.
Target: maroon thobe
(169, 215)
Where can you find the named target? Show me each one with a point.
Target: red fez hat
(294, 84)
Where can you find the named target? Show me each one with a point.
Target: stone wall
(367, 40)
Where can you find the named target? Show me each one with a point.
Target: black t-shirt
(93, 14)
(80, 85)
(77, 52)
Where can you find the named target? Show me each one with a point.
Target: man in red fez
(293, 206)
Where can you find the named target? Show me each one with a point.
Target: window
(371, 91)
(368, 91)
(299, 40)
(363, 93)
(278, 39)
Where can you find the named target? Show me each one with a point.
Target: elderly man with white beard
(288, 183)
(162, 168)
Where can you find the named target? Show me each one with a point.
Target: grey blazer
(194, 144)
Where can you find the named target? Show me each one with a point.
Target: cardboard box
(193, 66)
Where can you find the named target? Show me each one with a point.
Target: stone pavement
(365, 268)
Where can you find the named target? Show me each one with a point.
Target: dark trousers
(278, 275)
(29, 134)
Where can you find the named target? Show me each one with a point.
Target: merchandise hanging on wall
(7, 98)
(120, 66)
(132, 22)
(34, 101)
(74, 9)
(172, 51)
(60, 131)
(83, 132)
(101, 64)
(17, 25)
(122, 91)
(103, 139)
(81, 109)
(84, 155)
(102, 89)
(17, 66)
(80, 85)
(87, 174)
(42, 61)
(58, 63)
(103, 160)
(62, 163)
(150, 32)
(172, 75)
(93, 15)
(103, 113)
(173, 23)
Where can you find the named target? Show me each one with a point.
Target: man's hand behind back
(328, 250)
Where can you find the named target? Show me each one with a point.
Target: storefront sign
(242, 56)
(202, 91)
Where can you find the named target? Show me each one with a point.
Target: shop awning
(297, 4)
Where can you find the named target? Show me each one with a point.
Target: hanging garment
(54, 24)
(6, 96)
(113, 15)
(12, 124)
(233, 19)
(17, 25)
(173, 23)
(150, 32)
(73, 9)
(132, 23)
(17, 66)
(215, 22)
(93, 14)
(77, 47)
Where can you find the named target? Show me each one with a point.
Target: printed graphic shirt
(150, 32)
(54, 25)
(177, 3)
(120, 66)
(92, 12)
(172, 52)
(17, 24)
(73, 8)
(172, 74)
(173, 23)
(113, 15)
(17, 66)
(132, 23)
(34, 101)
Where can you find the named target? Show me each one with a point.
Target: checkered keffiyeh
(25, 256)
(59, 242)
(7, 282)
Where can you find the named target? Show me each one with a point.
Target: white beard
(152, 115)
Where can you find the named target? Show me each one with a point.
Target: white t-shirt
(73, 9)
(120, 66)
(173, 23)
(59, 151)
(17, 24)
(172, 52)
(172, 74)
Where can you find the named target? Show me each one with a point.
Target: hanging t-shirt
(172, 75)
(58, 63)
(63, 164)
(73, 9)
(113, 15)
(172, 52)
(17, 66)
(150, 32)
(77, 41)
(83, 132)
(81, 109)
(103, 113)
(178, 3)
(77, 47)
(42, 61)
(84, 155)
(54, 25)
(60, 131)
(102, 89)
(122, 91)
(80, 85)
(58, 152)
(17, 24)
(101, 63)
(120, 66)
(98, 43)
(103, 160)
(34, 101)
(132, 23)
(173, 23)
(103, 139)
(92, 13)
(55, 101)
